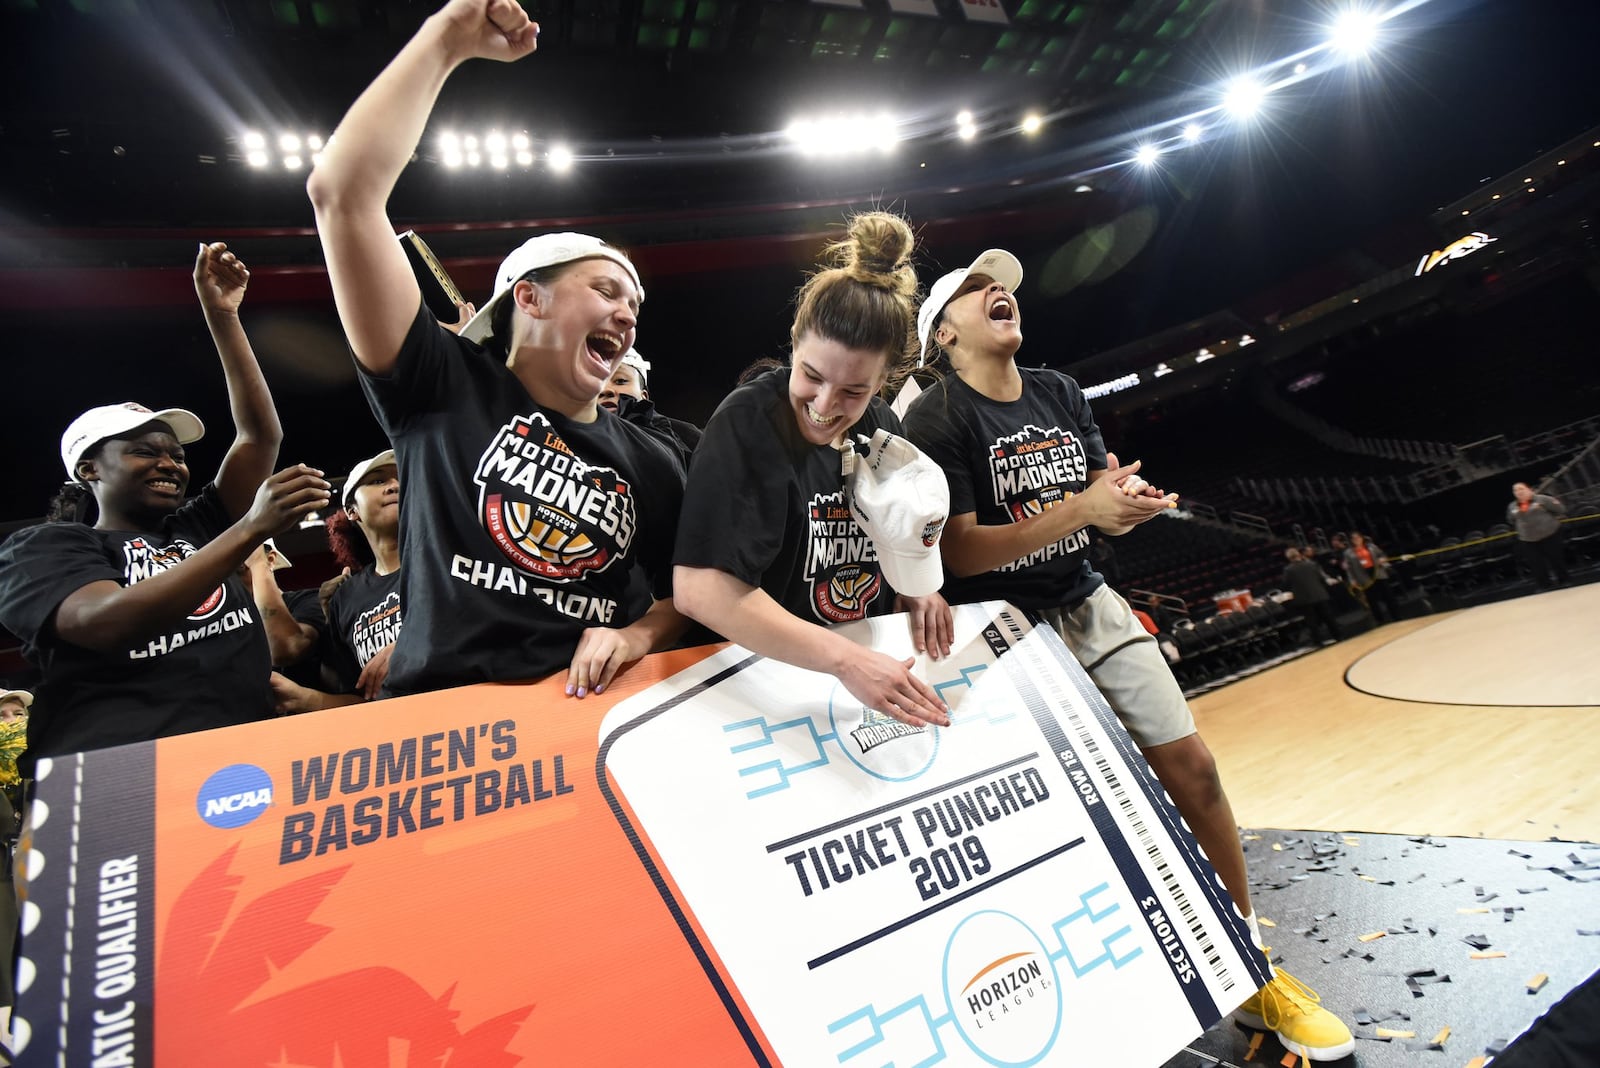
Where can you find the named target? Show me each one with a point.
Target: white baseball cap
(901, 499)
(279, 561)
(359, 472)
(22, 695)
(638, 363)
(996, 263)
(110, 420)
(546, 250)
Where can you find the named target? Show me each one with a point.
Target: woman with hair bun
(771, 547)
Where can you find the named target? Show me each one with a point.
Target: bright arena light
(964, 118)
(288, 143)
(524, 159)
(292, 163)
(1147, 155)
(449, 142)
(1354, 32)
(499, 162)
(495, 142)
(560, 158)
(1192, 132)
(314, 142)
(473, 159)
(844, 135)
(1032, 123)
(453, 159)
(520, 142)
(256, 158)
(253, 141)
(1243, 97)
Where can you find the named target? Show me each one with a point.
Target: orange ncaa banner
(720, 861)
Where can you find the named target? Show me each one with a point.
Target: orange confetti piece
(1373, 937)
(1367, 879)
(1536, 984)
(1289, 1060)
(1255, 1044)
(1439, 1039)
(1384, 1032)
(1263, 921)
(1477, 1062)
(1487, 954)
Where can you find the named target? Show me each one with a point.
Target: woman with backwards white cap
(537, 509)
(140, 625)
(363, 615)
(1029, 473)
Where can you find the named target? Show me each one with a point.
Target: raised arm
(220, 281)
(748, 615)
(373, 287)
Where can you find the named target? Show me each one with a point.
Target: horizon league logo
(838, 555)
(141, 560)
(1002, 989)
(550, 513)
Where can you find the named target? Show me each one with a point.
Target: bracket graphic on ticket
(1014, 889)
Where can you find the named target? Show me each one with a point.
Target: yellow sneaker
(1294, 1012)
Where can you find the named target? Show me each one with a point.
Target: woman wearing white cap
(139, 625)
(770, 548)
(1029, 474)
(364, 612)
(632, 379)
(537, 509)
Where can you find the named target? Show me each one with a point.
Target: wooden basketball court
(1299, 746)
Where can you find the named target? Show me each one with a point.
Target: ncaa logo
(234, 796)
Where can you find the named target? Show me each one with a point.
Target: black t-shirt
(1007, 460)
(522, 525)
(363, 617)
(305, 606)
(209, 670)
(767, 507)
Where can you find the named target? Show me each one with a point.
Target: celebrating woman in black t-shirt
(537, 510)
(768, 550)
(140, 625)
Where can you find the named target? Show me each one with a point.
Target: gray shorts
(1126, 664)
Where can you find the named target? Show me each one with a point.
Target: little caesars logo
(1033, 470)
(551, 513)
(1002, 989)
(841, 587)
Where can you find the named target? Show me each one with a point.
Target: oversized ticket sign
(723, 860)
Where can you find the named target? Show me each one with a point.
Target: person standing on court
(1029, 475)
(536, 509)
(1309, 584)
(1536, 517)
